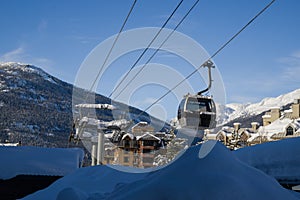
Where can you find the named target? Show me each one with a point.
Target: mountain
(252, 112)
(36, 108)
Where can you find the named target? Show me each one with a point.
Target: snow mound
(87, 181)
(218, 175)
(23, 160)
(279, 159)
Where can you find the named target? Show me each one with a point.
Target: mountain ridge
(38, 105)
(234, 111)
(36, 108)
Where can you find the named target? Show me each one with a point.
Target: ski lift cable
(156, 51)
(211, 57)
(146, 49)
(111, 49)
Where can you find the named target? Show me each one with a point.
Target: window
(148, 160)
(181, 108)
(126, 159)
(126, 143)
(126, 151)
(148, 143)
(198, 105)
(289, 131)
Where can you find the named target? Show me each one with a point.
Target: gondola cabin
(197, 112)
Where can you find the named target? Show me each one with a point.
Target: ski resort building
(277, 125)
(135, 149)
(109, 144)
(235, 136)
(271, 116)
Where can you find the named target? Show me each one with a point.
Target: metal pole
(100, 151)
(93, 154)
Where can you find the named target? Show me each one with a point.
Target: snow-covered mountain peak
(13, 68)
(235, 110)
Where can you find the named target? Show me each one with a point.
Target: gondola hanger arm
(209, 64)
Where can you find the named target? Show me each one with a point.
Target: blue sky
(57, 36)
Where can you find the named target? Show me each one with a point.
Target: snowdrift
(280, 159)
(24, 160)
(219, 175)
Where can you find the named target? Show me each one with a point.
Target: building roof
(99, 106)
(275, 127)
(128, 135)
(9, 144)
(266, 116)
(253, 137)
(288, 111)
(295, 124)
(141, 124)
(148, 135)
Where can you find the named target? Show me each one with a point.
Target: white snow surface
(25, 160)
(101, 124)
(277, 126)
(280, 159)
(217, 175)
(26, 68)
(100, 106)
(234, 110)
(9, 144)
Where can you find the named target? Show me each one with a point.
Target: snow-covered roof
(128, 135)
(294, 125)
(99, 106)
(227, 128)
(148, 135)
(102, 124)
(288, 111)
(24, 160)
(252, 137)
(141, 123)
(266, 116)
(297, 122)
(120, 122)
(9, 144)
(248, 132)
(89, 121)
(275, 127)
(227, 132)
(161, 133)
(275, 108)
(108, 135)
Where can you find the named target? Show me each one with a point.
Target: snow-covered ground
(219, 174)
(234, 110)
(280, 159)
(23, 160)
